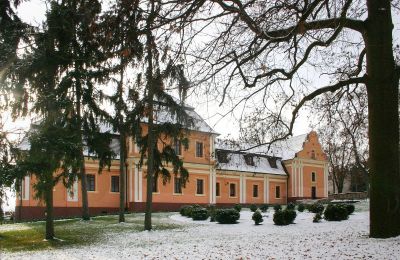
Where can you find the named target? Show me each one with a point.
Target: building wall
(310, 159)
(296, 185)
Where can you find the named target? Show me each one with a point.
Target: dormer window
(272, 162)
(222, 157)
(249, 159)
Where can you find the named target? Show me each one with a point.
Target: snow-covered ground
(209, 240)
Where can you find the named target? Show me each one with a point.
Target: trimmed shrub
(284, 217)
(211, 211)
(227, 216)
(290, 215)
(336, 212)
(350, 208)
(238, 207)
(199, 214)
(301, 207)
(277, 207)
(264, 207)
(253, 207)
(257, 217)
(316, 208)
(291, 206)
(317, 218)
(186, 210)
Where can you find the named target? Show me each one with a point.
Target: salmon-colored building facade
(218, 174)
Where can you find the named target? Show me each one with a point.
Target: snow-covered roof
(235, 161)
(285, 149)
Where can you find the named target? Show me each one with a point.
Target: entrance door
(313, 192)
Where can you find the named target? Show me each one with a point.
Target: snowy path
(205, 240)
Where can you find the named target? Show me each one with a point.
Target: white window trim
(258, 190)
(195, 152)
(204, 189)
(276, 197)
(114, 192)
(218, 196)
(173, 186)
(229, 185)
(315, 179)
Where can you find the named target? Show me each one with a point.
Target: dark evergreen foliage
(336, 212)
(199, 213)
(257, 217)
(284, 217)
(238, 207)
(253, 207)
(264, 207)
(227, 216)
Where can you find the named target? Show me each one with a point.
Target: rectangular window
(313, 177)
(199, 149)
(278, 192)
(232, 190)
(177, 185)
(217, 189)
(178, 147)
(114, 183)
(200, 187)
(155, 184)
(91, 182)
(255, 191)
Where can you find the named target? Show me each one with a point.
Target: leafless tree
(286, 53)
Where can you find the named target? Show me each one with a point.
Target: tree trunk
(151, 141)
(49, 212)
(122, 176)
(383, 93)
(85, 202)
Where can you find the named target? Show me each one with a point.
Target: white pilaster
(130, 185)
(265, 189)
(212, 186)
(140, 182)
(301, 180)
(326, 180)
(244, 189)
(241, 188)
(27, 185)
(294, 186)
(136, 184)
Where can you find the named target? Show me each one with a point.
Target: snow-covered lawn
(209, 240)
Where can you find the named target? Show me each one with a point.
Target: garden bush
(284, 217)
(199, 213)
(227, 216)
(350, 208)
(317, 218)
(211, 211)
(336, 212)
(316, 208)
(301, 207)
(257, 217)
(264, 207)
(291, 206)
(186, 210)
(277, 207)
(253, 207)
(238, 207)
